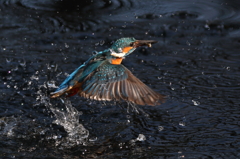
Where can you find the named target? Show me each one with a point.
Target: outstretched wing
(116, 82)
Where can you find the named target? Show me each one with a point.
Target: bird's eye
(131, 44)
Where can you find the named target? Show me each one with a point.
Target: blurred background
(195, 63)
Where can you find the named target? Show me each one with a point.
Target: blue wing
(74, 80)
(102, 81)
(69, 82)
(116, 82)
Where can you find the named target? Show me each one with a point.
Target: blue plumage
(103, 77)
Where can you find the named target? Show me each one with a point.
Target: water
(195, 63)
(68, 118)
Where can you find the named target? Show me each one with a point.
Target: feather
(123, 86)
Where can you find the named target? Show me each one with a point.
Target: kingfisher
(102, 77)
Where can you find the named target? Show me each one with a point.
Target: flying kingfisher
(102, 77)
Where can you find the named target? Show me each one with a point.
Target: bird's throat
(117, 61)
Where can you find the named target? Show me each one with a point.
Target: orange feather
(127, 49)
(117, 61)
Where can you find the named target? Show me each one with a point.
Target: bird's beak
(148, 43)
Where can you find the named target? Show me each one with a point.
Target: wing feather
(116, 82)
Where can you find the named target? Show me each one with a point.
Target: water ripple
(91, 15)
(195, 63)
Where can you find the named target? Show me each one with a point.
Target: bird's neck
(108, 55)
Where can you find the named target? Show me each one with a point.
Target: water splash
(68, 118)
(7, 124)
(160, 128)
(196, 102)
(141, 137)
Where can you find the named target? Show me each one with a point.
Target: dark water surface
(196, 63)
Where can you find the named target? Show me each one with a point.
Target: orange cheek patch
(126, 49)
(117, 61)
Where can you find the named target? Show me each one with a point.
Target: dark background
(195, 63)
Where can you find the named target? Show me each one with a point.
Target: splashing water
(7, 124)
(68, 118)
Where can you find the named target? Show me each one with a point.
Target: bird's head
(125, 46)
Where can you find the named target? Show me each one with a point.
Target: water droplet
(34, 77)
(160, 128)
(207, 26)
(195, 102)
(48, 67)
(66, 45)
(141, 137)
(51, 84)
(182, 123)
(120, 145)
(42, 132)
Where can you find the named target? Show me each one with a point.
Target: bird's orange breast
(117, 61)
